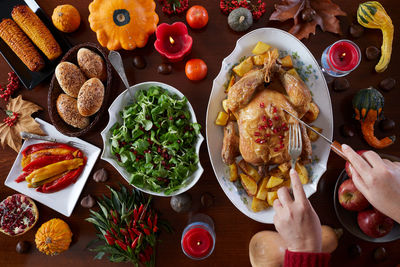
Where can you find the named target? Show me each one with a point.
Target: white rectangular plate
(62, 201)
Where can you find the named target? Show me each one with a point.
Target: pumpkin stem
(241, 19)
(367, 128)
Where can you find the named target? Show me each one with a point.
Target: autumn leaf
(325, 16)
(25, 123)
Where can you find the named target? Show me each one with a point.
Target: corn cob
(30, 23)
(21, 45)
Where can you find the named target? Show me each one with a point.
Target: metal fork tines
(295, 143)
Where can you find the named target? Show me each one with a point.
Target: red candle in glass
(344, 56)
(173, 41)
(197, 242)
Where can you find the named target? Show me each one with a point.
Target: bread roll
(68, 110)
(92, 64)
(70, 78)
(90, 97)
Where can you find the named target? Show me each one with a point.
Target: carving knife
(335, 145)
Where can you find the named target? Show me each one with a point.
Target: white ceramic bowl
(310, 71)
(119, 103)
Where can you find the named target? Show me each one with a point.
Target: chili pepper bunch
(257, 9)
(128, 226)
(170, 7)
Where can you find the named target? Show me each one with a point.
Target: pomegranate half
(18, 214)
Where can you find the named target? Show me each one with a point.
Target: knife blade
(335, 145)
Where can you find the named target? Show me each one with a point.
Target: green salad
(156, 141)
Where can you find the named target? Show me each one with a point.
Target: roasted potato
(303, 173)
(260, 48)
(250, 171)
(258, 60)
(262, 189)
(244, 67)
(313, 136)
(287, 62)
(222, 118)
(278, 173)
(231, 82)
(312, 113)
(248, 184)
(271, 196)
(294, 73)
(258, 205)
(284, 167)
(233, 172)
(274, 181)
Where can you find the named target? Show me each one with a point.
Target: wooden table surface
(233, 229)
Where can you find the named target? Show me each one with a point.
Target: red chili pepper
(64, 181)
(155, 229)
(140, 209)
(46, 160)
(121, 244)
(114, 232)
(126, 240)
(110, 239)
(145, 230)
(155, 220)
(136, 231)
(123, 231)
(37, 147)
(22, 177)
(131, 234)
(149, 223)
(134, 243)
(135, 214)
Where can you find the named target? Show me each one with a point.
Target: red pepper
(145, 230)
(155, 220)
(37, 147)
(114, 232)
(149, 223)
(131, 234)
(123, 231)
(22, 177)
(135, 214)
(110, 239)
(45, 160)
(126, 240)
(136, 231)
(140, 209)
(121, 244)
(134, 243)
(155, 229)
(64, 181)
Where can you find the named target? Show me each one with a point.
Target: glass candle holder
(340, 58)
(198, 237)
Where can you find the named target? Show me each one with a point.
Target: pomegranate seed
(278, 129)
(283, 125)
(269, 122)
(285, 128)
(260, 127)
(274, 110)
(268, 135)
(170, 118)
(257, 134)
(258, 140)
(262, 105)
(282, 146)
(137, 159)
(275, 130)
(280, 141)
(281, 137)
(276, 149)
(262, 141)
(276, 118)
(264, 118)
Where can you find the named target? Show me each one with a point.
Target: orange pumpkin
(66, 18)
(125, 24)
(53, 237)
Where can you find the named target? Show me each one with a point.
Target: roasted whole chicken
(257, 101)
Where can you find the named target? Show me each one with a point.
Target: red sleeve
(306, 259)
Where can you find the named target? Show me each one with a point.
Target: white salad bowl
(122, 101)
(311, 73)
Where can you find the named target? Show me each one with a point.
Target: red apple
(347, 166)
(350, 198)
(373, 223)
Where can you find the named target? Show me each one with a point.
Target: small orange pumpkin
(125, 24)
(66, 18)
(53, 237)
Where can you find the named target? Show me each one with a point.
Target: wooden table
(233, 229)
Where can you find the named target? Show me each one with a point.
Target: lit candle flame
(171, 40)
(198, 243)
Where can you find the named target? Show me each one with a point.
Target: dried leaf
(325, 16)
(25, 123)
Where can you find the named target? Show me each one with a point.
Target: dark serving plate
(30, 78)
(55, 90)
(349, 218)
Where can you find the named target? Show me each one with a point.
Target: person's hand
(296, 220)
(377, 179)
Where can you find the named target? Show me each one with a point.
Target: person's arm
(377, 179)
(299, 225)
